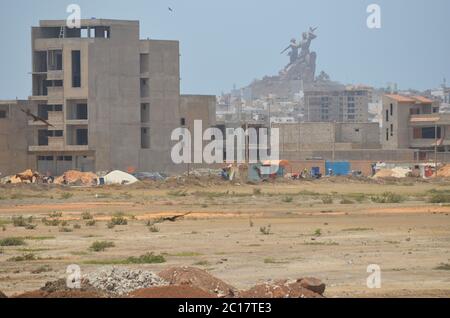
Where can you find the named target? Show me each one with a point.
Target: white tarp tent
(118, 177)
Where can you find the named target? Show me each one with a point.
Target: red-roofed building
(414, 122)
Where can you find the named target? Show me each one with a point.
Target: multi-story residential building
(110, 99)
(348, 104)
(415, 122)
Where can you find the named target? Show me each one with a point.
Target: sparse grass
(20, 221)
(388, 197)
(440, 198)
(257, 191)
(100, 246)
(12, 241)
(39, 238)
(30, 226)
(271, 260)
(23, 258)
(65, 230)
(42, 269)
(90, 223)
(66, 195)
(358, 229)
(265, 230)
(327, 200)
(153, 229)
(52, 222)
(318, 232)
(308, 193)
(330, 243)
(201, 263)
(287, 199)
(177, 193)
(346, 201)
(55, 214)
(86, 216)
(392, 242)
(76, 226)
(443, 267)
(186, 254)
(251, 223)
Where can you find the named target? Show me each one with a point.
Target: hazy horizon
(233, 42)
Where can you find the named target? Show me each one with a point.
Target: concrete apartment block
(13, 137)
(414, 122)
(337, 105)
(112, 100)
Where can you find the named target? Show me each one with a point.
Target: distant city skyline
(233, 42)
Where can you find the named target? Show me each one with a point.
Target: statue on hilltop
(302, 65)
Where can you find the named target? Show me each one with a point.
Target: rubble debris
(198, 278)
(73, 177)
(313, 284)
(173, 291)
(118, 177)
(153, 176)
(121, 281)
(397, 172)
(280, 289)
(444, 172)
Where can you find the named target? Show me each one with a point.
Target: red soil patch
(174, 291)
(197, 278)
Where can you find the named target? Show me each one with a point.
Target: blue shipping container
(340, 168)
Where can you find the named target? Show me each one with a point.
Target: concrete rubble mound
(27, 176)
(397, 172)
(196, 277)
(444, 171)
(121, 281)
(76, 177)
(174, 282)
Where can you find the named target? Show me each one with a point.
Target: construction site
(87, 180)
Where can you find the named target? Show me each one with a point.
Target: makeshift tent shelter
(118, 177)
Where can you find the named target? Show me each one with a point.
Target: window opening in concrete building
(4, 112)
(54, 60)
(387, 115)
(387, 134)
(145, 113)
(392, 109)
(392, 130)
(42, 137)
(40, 62)
(77, 110)
(144, 63)
(145, 88)
(145, 138)
(43, 110)
(76, 69)
(183, 121)
(82, 137)
(429, 133)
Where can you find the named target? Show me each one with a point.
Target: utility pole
(435, 150)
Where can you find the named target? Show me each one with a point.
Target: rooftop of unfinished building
(93, 22)
(409, 99)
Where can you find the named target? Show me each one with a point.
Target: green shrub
(119, 220)
(388, 197)
(148, 258)
(77, 226)
(265, 230)
(12, 241)
(65, 230)
(318, 232)
(153, 229)
(257, 191)
(90, 223)
(440, 198)
(66, 195)
(86, 216)
(100, 246)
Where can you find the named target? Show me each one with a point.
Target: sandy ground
(331, 241)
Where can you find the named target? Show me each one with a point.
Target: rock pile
(121, 281)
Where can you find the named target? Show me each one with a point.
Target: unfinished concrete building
(111, 99)
(414, 122)
(345, 104)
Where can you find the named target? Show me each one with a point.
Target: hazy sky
(226, 42)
